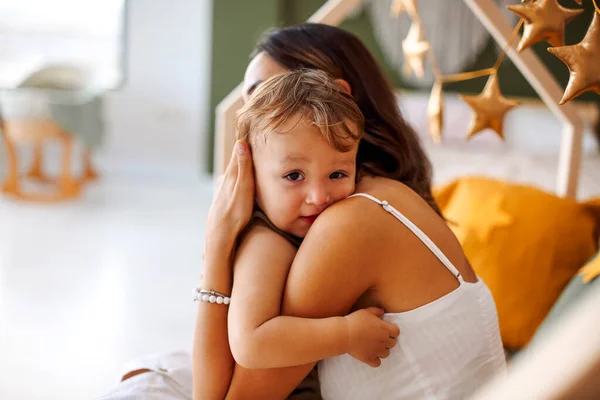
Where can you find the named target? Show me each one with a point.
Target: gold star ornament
(435, 112)
(415, 48)
(544, 20)
(489, 107)
(583, 60)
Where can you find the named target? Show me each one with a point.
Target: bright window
(87, 33)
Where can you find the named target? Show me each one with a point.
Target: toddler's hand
(370, 338)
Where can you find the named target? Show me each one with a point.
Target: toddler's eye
(294, 176)
(337, 175)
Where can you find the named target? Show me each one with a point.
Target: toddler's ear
(345, 85)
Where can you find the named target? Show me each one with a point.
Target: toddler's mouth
(309, 219)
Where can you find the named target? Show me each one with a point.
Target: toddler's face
(299, 174)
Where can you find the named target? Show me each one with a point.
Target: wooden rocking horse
(37, 128)
(35, 133)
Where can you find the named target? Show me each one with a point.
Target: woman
(449, 342)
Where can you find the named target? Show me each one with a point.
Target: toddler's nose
(318, 196)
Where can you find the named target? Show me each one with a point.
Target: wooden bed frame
(335, 11)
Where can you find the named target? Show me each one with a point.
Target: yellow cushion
(524, 243)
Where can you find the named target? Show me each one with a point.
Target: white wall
(160, 116)
(86, 33)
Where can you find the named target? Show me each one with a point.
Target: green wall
(239, 23)
(298, 11)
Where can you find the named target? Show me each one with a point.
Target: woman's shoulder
(394, 192)
(358, 214)
(386, 189)
(351, 215)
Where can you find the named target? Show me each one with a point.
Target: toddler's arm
(261, 338)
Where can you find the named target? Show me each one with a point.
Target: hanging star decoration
(583, 61)
(490, 107)
(481, 222)
(435, 112)
(399, 7)
(544, 20)
(415, 48)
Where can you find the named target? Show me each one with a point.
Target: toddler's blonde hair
(312, 93)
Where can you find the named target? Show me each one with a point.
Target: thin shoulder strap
(418, 232)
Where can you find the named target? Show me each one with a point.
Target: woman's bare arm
(212, 362)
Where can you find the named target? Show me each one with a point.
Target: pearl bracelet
(210, 296)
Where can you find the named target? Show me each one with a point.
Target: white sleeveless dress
(446, 349)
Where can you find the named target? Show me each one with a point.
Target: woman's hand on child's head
(370, 338)
(233, 201)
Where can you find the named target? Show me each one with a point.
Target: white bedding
(539, 170)
(528, 155)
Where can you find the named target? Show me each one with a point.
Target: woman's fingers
(232, 167)
(245, 178)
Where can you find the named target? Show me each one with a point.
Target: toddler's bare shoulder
(259, 236)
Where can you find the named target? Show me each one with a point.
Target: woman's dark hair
(390, 147)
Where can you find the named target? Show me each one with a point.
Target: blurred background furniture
(57, 60)
(53, 103)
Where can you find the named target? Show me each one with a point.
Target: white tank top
(446, 349)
